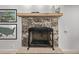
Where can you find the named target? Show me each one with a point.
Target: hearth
(40, 42)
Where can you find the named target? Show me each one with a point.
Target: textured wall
(28, 22)
(69, 28)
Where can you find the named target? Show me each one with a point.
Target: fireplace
(40, 37)
(39, 20)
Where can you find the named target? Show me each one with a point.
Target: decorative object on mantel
(53, 9)
(36, 12)
(57, 9)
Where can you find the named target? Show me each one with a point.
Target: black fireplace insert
(40, 43)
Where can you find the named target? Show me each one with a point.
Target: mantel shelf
(39, 14)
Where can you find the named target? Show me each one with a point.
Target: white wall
(28, 8)
(12, 44)
(69, 28)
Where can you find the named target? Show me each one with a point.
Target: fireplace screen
(40, 37)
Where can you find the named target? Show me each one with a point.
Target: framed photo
(8, 31)
(8, 15)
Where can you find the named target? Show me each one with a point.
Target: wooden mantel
(39, 14)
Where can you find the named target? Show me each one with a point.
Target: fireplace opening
(40, 37)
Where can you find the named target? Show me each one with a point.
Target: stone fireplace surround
(39, 20)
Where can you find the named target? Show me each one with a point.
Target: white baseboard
(70, 51)
(7, 49)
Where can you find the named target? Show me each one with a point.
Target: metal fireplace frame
(47, 30)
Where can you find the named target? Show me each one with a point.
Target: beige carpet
(38, 50)
(23, 50)
(32, 50)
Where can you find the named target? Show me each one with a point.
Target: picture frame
(8, 31)
(8, 15)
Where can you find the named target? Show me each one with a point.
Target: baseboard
(7, 49)
(70, 51)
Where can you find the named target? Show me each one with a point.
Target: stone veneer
(39, 21)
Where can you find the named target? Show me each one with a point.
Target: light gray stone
(28, 22)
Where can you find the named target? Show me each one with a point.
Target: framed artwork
(8, 31)
(8, 15)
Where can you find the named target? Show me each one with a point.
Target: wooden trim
(39, 14)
